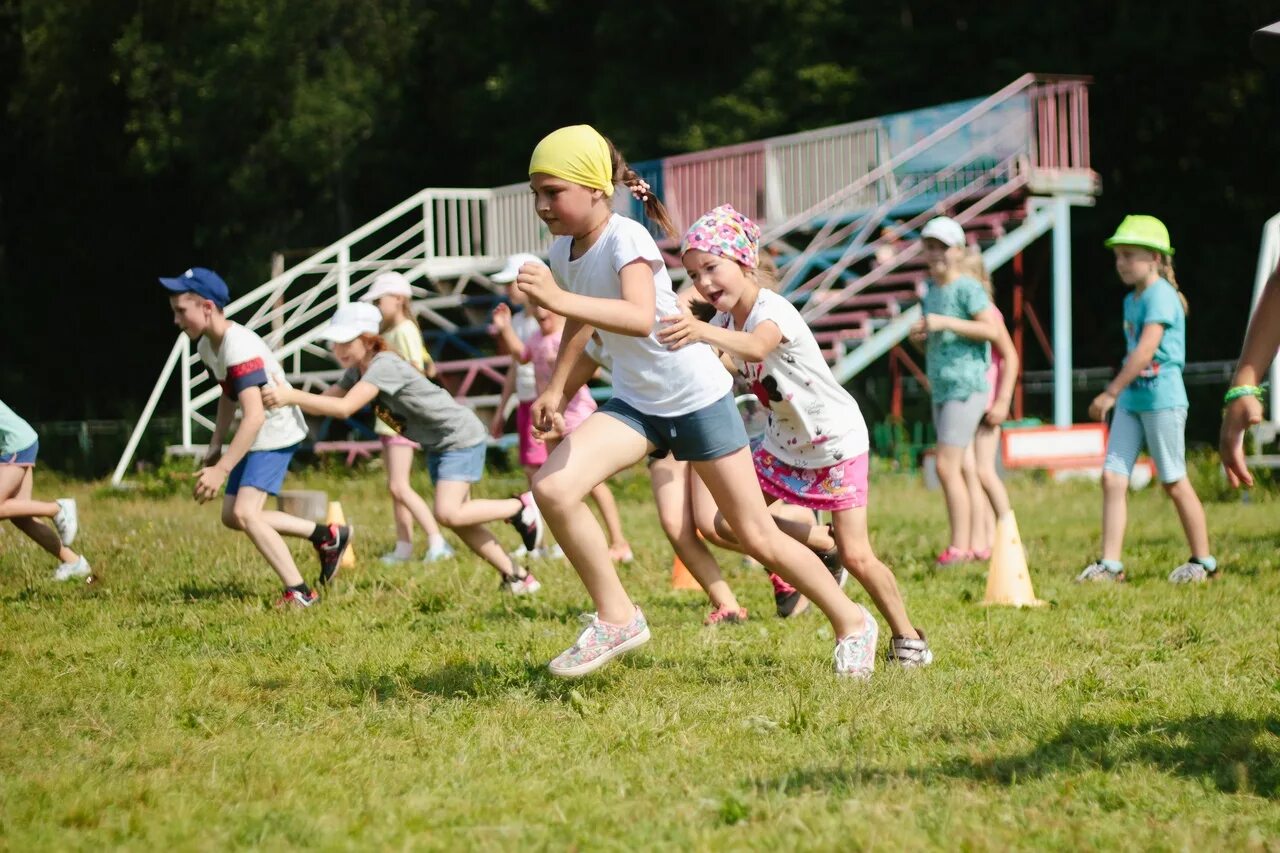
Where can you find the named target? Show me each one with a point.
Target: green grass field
(168, 705)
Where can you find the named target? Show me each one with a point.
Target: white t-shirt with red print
(243, 361)
(813, 422)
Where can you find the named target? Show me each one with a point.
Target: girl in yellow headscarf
(615, 282)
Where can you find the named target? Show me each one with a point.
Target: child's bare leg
(979, 509)
(245, 511)
(17, 481)
(1115, 513)
(453, 500)
(409, 505)
(1191, 514)
(733, 484)
(15, 500)
(599, 448)
(669, 479)
(986, 445)
(956, 493)
(854, 541)
(609, 513)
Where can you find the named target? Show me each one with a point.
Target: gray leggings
(956, 421)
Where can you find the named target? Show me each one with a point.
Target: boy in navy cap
(255, 463)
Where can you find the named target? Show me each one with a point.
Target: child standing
(514, 329)
(956, 329)
(815, 452)
(616, 282)
(19, 447)
(255, 463)
(390, 293)
(424, 412)
(1149, 400)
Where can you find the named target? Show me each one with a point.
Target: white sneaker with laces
(855, 655)
(67, 521)
(67, 571)
(391, 558)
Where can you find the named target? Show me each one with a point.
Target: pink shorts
(532, 451)
(842, 486)
(398, 441)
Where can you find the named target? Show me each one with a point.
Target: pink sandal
(952, 556)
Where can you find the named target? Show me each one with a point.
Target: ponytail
(1164, 266)
(653, 207)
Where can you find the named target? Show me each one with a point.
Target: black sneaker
(831, 559)
(331, 550)
(787, 598)
(528, 523)
(909, 653)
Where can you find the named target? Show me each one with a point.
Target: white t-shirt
(813, 422)
(525, 325)
(244, 361)
(646, 375)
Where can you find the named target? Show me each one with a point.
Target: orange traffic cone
(1008, 579)
(335, 516)
(681, 577)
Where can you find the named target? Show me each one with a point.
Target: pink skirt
(841, 486)
(532, 451)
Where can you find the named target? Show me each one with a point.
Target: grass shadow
(194, 590)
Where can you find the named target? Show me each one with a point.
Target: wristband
(1242, 391)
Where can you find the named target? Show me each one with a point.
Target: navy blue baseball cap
(204, 283)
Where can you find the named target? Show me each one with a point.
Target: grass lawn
(168, 705)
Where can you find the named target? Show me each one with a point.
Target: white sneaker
(555, 552)
(435, 555)
(67, 521)
(391, 558)
(855, 655)
(67, 571)
(526, 585)
(520, 554)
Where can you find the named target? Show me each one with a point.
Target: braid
(653, 207)
(1165, 267)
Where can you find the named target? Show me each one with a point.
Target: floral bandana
(727, 233)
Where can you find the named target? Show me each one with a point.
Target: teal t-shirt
(15, 433)
(1160, 385)
(957, 366)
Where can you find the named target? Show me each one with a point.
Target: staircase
(840, 208)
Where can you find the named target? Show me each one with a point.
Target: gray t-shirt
(416, 407)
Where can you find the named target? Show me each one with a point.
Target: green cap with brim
(1145, 231)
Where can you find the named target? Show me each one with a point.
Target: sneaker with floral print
(856, 654)
(725, 616)
(598, 644)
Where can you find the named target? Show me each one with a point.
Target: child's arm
(508, 336)
(1260, 344)
(500, 414)
(573, 368)
(226, 412)
(985, 325)
(210, 479)
(632, 314)
(999, 411)
(1138, 361)
(686, 329)
(330, 404)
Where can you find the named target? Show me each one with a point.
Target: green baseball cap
(1145, 231)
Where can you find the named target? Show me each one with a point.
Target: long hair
(1165, 267)
(973, 266)
(406, 303)
(653, 207)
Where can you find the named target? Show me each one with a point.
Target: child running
(615, 282)
(424, 412)
(255, 463)
(1149, 401)
(19, 447)
(956, 329)
(815, 450)
(391, 294)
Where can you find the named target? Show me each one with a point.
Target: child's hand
(552, 432)
(1102, 404)
(919, 331)
(273, 397)
(498, 425)
(211, 456)
(682, 330)
(936, 322)
(208, 483)
(998, 413)
(501, 317)
(1241, 413)
(545, 410)
(536, 282)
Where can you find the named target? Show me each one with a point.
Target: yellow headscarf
(576, 153)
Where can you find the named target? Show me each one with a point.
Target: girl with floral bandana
(607, 275)
(814, 451)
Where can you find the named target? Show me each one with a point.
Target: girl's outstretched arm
(325, 405)
(632, 314)
(985, 325)
(755, 345)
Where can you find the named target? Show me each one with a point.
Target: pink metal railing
(695, 183)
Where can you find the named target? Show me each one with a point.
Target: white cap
(386, 283)
(351, 321)
(944, 229)
(508, 273)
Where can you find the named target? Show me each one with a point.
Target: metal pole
(1062, 312)
(186, 392)
(125, 458)
(344, 274)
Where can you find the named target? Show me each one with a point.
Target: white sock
(404, 550)
(435, 541)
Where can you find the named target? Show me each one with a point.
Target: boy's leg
(246, 509)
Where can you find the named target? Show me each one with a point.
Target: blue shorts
(1162, 431)
(263, 470)
(711, 432)
(465, 465)
(26, 457)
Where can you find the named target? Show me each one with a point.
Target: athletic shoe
(787, 598)
(67, 521)
(621, 554)
(519, 554)
(598, 644)
(435, 555)
(909, 653)
(1096, 571)
(725, 616)
(855, 655)
(528, 523)
(1192, 572)
(952, 556)
(525, 584)
(331, 550)
(294, 599)
(67, 571)
(391, 558)
(980, 556)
